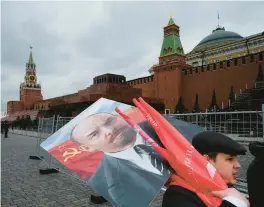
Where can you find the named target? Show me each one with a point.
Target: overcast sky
(75, 41)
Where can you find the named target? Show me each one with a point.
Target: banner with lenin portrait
(99, 145)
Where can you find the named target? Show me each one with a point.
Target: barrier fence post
(263, 122)
(49, 168)
(52, 131)
(37, 156)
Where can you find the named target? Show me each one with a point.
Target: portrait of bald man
(129, 168)
(131, 173)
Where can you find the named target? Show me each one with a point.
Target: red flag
(194, 170)
(82, 162)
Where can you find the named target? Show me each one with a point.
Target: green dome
(218, 36)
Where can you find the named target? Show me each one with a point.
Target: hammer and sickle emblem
(69, 154)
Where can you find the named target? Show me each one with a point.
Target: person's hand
(232, 192)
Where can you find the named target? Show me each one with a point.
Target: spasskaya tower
(30, 90)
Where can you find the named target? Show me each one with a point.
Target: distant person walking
(2, 127)
(6, 128)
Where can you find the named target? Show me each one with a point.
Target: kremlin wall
(175, 77)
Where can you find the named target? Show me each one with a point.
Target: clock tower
(30, 90)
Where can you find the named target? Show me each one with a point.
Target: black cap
(208, 141)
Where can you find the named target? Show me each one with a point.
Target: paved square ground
(22, 185)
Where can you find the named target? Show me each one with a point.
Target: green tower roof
(171, 22)
(30, 59)
(171, 43)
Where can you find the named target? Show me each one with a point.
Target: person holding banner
(221, 151)
(189, 130)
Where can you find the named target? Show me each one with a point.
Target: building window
(167, 111)
(235, 62)
(228, 63)
(243, 60)
(194, 64)
(221, 65)
(251, 58)
(260, 56)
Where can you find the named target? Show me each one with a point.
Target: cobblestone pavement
(23, 186)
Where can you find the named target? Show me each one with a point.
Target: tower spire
(30, 59)
(218, 19)
(30, 79)
(171, 21)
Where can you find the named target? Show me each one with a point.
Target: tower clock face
(32, 78)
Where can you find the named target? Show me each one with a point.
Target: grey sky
(75, 41)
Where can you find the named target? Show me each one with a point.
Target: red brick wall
(221, 80)
(123, 93)
(148, 88)
(14, 106)
(170, 83)
(168, 86)
(113, 91)
(30, 96)
(146, 84)
(42, 104)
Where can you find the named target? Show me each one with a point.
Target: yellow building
(223, 45)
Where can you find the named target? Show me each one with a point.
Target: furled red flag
(193, 170)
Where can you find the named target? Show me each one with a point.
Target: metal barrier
(37, 156)
(61, 121)
(46, 127)
(243, 126)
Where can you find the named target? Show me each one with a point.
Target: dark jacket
(255, 175)
(177, 196)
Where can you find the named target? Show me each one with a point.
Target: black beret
(208, 141)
